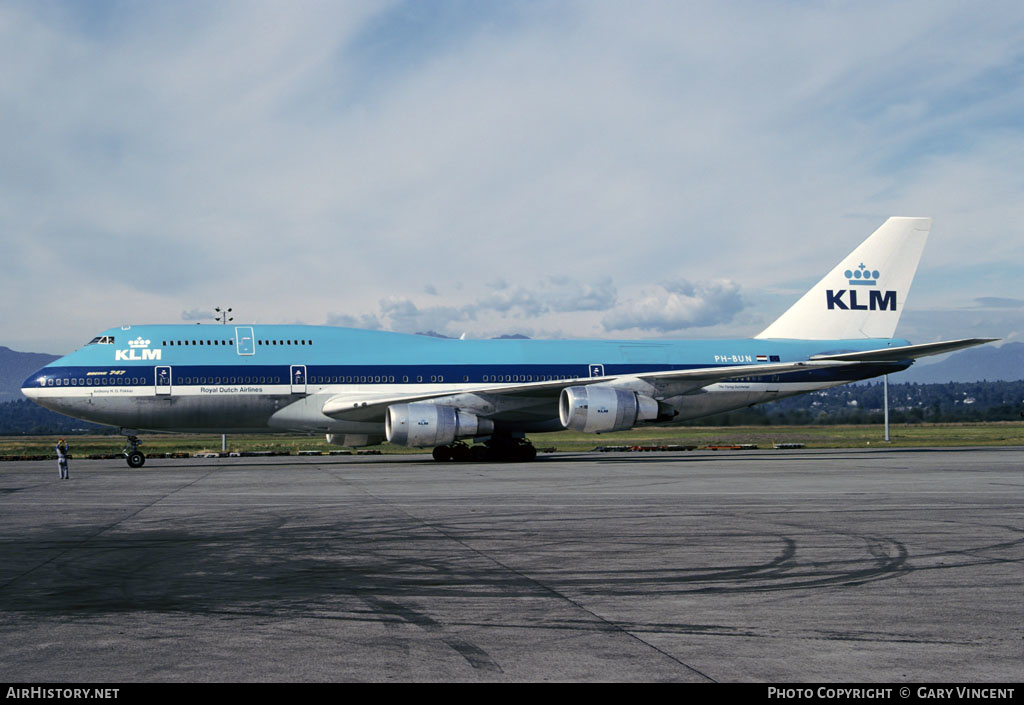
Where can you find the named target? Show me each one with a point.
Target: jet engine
(594, 409)
(420, 425)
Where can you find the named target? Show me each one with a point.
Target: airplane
(360, 387)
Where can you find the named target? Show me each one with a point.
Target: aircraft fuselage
(268, 378)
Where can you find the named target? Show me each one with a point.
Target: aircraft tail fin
(864, 295)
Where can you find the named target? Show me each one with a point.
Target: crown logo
(138, 343)
(862, 276)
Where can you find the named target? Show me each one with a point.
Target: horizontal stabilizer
(906, 352)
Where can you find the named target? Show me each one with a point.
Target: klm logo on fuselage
(847, 299)
(138, 349)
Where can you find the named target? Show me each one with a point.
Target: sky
(556, 169)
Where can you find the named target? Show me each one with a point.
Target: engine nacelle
(594, 409)
(421, 425)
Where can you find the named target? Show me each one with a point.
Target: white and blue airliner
(360, 387)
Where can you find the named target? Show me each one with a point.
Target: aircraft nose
(35, 382)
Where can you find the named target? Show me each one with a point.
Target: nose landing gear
(135, 457)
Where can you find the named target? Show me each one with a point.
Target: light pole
(885, 402)
(223, 317)
(885, 397)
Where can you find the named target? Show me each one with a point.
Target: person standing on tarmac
(62, 459)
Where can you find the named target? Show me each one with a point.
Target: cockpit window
(102, 340)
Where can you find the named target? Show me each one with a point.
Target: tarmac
(866, 565)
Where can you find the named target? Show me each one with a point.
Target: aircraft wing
(367, 408)
(906, 352)
(371, 407)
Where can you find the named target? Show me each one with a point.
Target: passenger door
(244, 342)
(163, 380)
(298, 375)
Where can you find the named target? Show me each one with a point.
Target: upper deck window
(102, 340)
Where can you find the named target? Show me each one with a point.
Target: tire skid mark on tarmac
(277, 562)
(477, 657)
(529, 581)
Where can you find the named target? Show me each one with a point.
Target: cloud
(547, 161)
(504, 307)
(559, 293)
(998, 302)
(196, 314)
(678, 306)
(404, 316)
(367, 321)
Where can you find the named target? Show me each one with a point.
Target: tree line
(863, 403)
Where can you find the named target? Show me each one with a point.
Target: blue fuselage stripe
(324, 355)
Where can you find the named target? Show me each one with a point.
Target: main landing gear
(135, 457)
(494, 450)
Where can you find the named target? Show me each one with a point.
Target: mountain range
(15, 367)
(983, 363)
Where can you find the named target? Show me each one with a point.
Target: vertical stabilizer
(864, 295)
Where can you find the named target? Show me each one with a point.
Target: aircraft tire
(527, 452)
(136, 459)
(442, 454)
